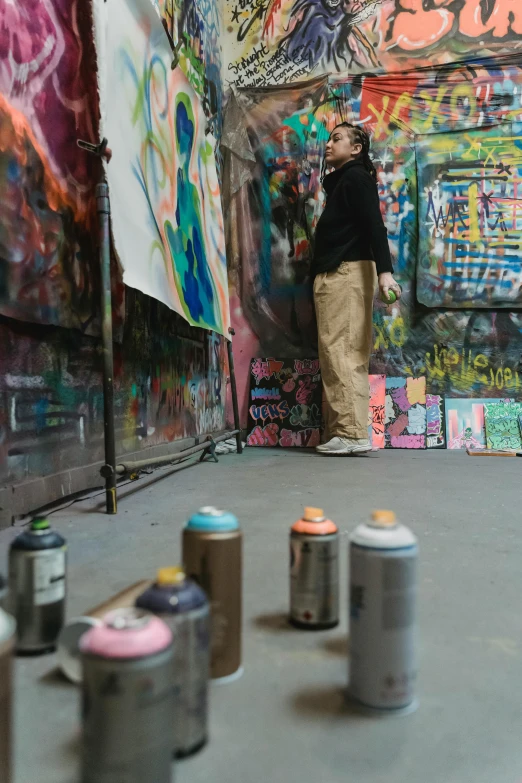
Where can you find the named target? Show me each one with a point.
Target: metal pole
(233, 389)
(156, 462)
(103, 209)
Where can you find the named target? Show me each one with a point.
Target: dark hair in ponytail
(358, 136)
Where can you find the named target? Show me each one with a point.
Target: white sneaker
(339, 447)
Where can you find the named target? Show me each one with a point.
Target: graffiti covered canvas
(405, 413)
(470, 218)
(165, 195)
(47, 209)
(285, 403)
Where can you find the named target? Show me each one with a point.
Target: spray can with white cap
(212, 557)
(383, 586)
(314, 571)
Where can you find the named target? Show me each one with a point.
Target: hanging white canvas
(167, 218)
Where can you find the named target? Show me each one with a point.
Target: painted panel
(166, 204)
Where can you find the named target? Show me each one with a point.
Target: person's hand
(387, 283)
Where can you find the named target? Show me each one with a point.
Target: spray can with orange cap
(383, 585)
(314, 571)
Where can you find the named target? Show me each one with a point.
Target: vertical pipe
(233, 389)
(103, 209)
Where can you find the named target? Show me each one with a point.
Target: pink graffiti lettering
(305, 392)
(289, 385)
(408, 442)
(421, 23)
(264, 436)
(433, 427)
(400, 398)
(302, 439)
(265, 369)
(306, 366)
(398, 426)
(270, 411)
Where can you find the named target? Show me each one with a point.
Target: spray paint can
(37, 566)
(183, 606)
(7, 641)
(212, 555)
(68, 655)
(383, 583)
(127, 699)
(314, 571)
(3, 592)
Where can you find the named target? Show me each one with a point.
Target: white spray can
(383, 585)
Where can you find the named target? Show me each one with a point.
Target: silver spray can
(383, 585)
(212, 557)
(183, 605)
(7, 640)
(3, 592)
(314, 571)
(37, 566)
(127, 699)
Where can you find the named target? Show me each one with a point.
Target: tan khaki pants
(344, 306)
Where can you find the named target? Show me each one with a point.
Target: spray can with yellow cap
(314, 571)
(183, 606)
(383, 583)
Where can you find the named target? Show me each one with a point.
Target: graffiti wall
(168, 385)
(47, 101)
(169, 377)
(447, 144)
(276, 41)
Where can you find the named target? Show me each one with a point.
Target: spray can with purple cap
(183, 606)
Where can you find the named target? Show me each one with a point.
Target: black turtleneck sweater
(351, 227)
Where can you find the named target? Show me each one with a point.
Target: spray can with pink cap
(128, 701)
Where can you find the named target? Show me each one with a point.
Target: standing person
(351, 253)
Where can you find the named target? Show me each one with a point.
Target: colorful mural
(166, 208)
(436, 134)
(169, 384)
(276, 41)
(405, 413)
(169, 377)
(47, 212)
(195, 26)
(470, 218)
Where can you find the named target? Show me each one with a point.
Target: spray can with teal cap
(37, 564)
(212, 556)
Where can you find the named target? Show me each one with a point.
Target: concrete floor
(284, 721)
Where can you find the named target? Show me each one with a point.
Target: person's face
(340, 149)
